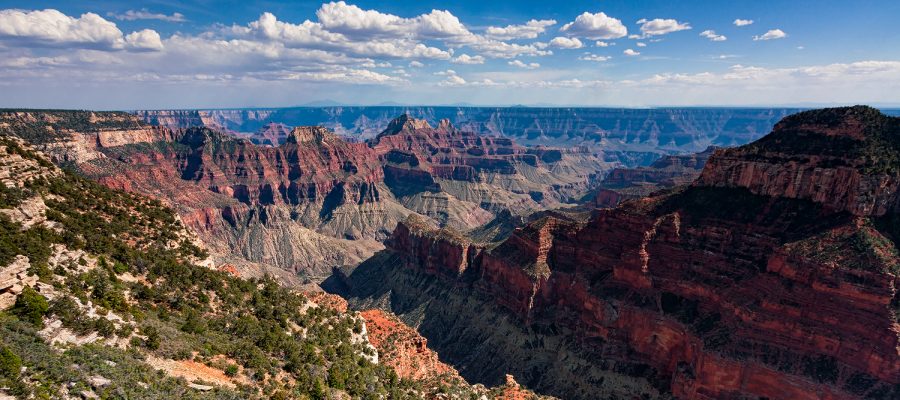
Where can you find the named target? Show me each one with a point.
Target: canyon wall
(314, 201)
(668, 171)
(721, 289)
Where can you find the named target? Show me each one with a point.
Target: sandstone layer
(781, 284)
(310, 201)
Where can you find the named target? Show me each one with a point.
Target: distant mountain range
(646, 133)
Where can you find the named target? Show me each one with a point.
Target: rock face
(439, 251)
(311, 201)
(669, 171)
(470, 171)
(780, 284)
(13, 279)
(403, 349)
(845, 159)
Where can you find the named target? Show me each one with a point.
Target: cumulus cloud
(772, 34)
(597, 26)
(313, 35)
(640, 44)
(350, 20)
(467, 59)
(371, 33)
(416, 64)
(566, 43)
(712, 35)
(520, 64)
(452, 79)
(743, 22)
(529, 30)
(144, 40)
(630, 52)
(601, 43)
(144, 14)
(373, 64)
(594, 57)
(498, 49)
(659, 26)
(51, 28)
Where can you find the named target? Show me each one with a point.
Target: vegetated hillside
(315, 201)
(101, 296)
(775, 274)
(38, 126)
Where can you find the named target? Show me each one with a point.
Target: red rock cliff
(775, 275)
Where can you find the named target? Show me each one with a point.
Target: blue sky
(191, 54)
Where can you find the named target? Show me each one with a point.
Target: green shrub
(10, 363)
(31, 306)
(152, 340)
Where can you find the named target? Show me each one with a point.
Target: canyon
(316, 201)
(669, 255)
(666, 172)
(773, 275)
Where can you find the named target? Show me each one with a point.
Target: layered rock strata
(311, 201)
(742, 285)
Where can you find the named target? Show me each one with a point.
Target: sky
(105, 54)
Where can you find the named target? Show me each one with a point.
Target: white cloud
(712, 35)
(640, 44)
(311, 35)
(772, 34)
(530, 30)
(35, 62)
(467, 59)
(452, 79)
(742, 22)
(350, 20)
(455, 80)
(145, 40)
(373, 64)
(759, 77)
(520, 64)
(498, 49)
(659, 26)
(594, 57)
(630, 52)
(566, 43)
(51, 28)
(353, 76)
(595, 27)
(601, 43)
(416, 64)
(527, 84)
(144, 14)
